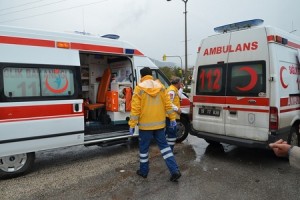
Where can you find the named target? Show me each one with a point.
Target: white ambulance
(246, 86)
(63, 89)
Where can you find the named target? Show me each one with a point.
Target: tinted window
(246, 79)
(210, 80)
(242, 79)
(28, 82)
(21, 82)
(57, 82)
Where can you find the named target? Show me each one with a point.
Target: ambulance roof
(63, 36)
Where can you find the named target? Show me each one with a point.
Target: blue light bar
(111, 36)
(129, 51)
(238, 25)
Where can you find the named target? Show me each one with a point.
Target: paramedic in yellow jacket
(149, 106)
(173, 92)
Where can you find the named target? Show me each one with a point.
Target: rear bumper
(239, 141)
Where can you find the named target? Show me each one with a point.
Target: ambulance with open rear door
(64, 89)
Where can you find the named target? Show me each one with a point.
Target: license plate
(209, 111)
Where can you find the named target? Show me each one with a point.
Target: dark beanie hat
(146, 71)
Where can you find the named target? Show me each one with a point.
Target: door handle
(76, 107)
(252, 101)
(232, 112)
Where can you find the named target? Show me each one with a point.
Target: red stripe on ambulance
(99, 48)
(281, 40)
(232, 100)
(38, 111)
(26, 41)
(73, 45)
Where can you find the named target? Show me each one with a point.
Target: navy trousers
(170, 134)
(145, 138)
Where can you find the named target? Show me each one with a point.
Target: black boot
(175, 176)
(138, 172)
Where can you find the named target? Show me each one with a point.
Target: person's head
(176, 81)
(146, 71)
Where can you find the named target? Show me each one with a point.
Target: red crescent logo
(57, 91)
(281, 78)
(253, 79)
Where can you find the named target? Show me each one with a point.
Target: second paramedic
(149, 105)
(173, 91)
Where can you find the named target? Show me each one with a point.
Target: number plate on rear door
(209, 111)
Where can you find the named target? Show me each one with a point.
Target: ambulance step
(106, 137)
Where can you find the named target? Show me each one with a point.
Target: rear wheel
(182, 129)
(293, 138)
(15, 165)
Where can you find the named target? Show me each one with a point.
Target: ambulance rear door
(247, 102)
(209, 95)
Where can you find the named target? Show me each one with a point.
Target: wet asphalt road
(208, 172)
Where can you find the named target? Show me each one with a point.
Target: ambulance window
(210, 80)
(21, 82)
(246, 79)
(57, 82)
(159, 75)
(28, 82)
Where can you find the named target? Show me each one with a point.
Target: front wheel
(15, 165)
(182, 129)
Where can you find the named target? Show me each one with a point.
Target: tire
(211, 142)
(294, 138)
(182, 129)
(16, 165)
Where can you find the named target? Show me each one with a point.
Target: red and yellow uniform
(175, 99)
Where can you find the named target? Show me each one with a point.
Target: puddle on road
(202, 148)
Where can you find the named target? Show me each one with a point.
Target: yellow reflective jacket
(150, 104)
(175, 100)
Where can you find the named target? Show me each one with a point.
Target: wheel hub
(12, 163)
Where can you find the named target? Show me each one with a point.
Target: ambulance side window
(57, 82)
(246, 79)
(21, 82)
(159, 75)
(28, 82)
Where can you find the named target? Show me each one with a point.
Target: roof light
(111, 36)
(129, 51)
(238, 25)
(64, 45)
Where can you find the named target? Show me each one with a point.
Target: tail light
(273, 120)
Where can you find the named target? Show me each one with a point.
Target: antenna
(293, 30)
(83, 19)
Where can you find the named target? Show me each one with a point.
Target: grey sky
(155, 27)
